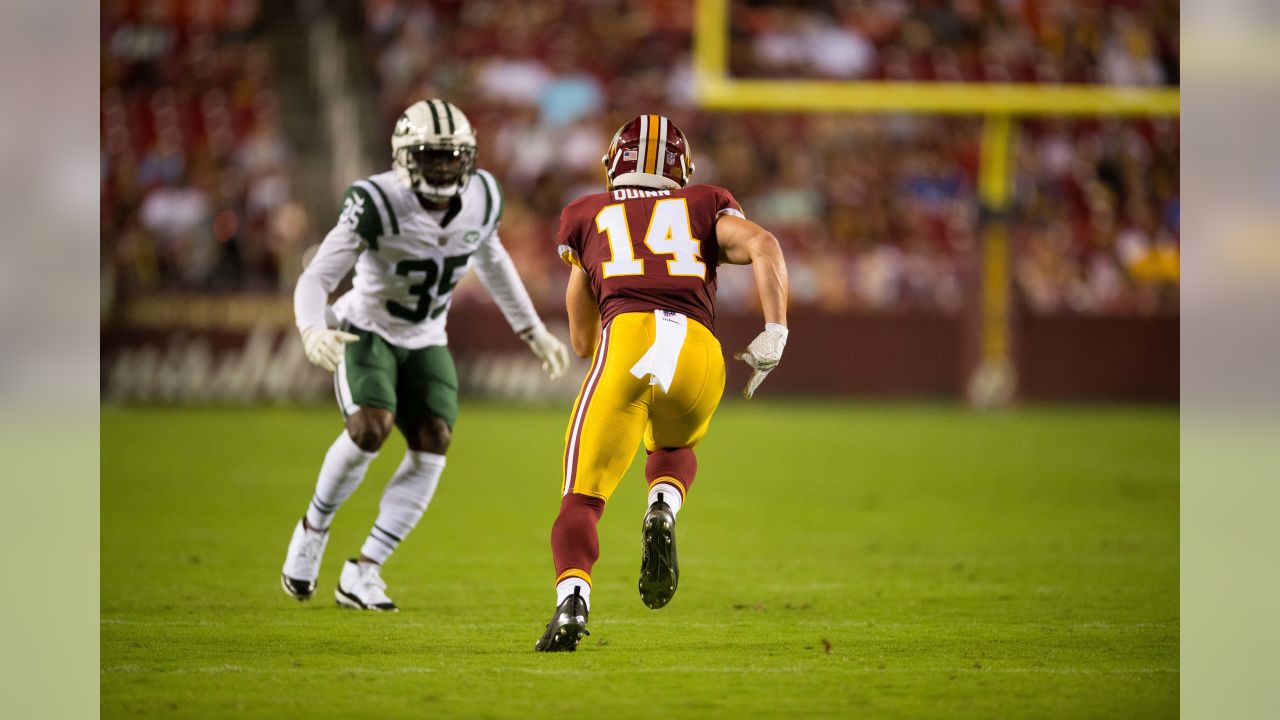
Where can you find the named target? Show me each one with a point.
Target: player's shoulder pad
(572, 217)
(492, 197)
(579, 211)
(709, 190)
(576, 205)
(368, 211)
(726, 203)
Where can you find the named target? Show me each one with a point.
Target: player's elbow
(582, 346)
(748, 248)
(763, 245)
(308, 284)
(583, 335)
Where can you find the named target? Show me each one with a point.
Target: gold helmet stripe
(660, 163)
(653, 145)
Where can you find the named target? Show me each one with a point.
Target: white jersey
(408, 260)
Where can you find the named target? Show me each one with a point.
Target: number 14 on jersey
(669, 233)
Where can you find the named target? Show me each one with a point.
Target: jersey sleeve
(498, 274)
(722, 203)
(335, 258)
(727, 204)
(360, 215)
(569, 239)
(492, 201)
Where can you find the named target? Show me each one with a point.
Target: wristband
(778, 328)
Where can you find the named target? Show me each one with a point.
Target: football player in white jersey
(411, 234)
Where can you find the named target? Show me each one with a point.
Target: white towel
(659, 362)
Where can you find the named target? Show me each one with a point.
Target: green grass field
(837, 560)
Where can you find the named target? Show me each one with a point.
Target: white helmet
(433, 149)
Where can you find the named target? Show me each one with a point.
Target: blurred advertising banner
(207, 349)
(244, 349)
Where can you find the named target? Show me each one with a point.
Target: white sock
(670, 495)
(403, 502)
(566, 587)
(343, 468)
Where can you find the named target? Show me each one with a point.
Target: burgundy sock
(575, 545)
(678, 463)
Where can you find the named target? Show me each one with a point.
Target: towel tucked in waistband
(659, 362)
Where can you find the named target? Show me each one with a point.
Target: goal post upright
(991, 378)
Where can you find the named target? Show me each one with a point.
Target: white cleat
(302, 562)
(361, 587)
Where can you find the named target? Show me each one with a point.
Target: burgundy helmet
(649, 151)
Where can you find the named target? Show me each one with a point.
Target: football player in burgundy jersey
(641, 302)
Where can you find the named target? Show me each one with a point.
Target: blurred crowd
(1116, 42)
(196, 171)
(877, 213)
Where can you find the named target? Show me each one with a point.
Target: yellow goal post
(992, 381)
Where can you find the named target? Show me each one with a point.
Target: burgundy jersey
(648, 250)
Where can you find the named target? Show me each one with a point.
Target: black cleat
(659, 570)
(567, 627)
(300, 589)
(361, 587)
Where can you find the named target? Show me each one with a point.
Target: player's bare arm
(743, 242)
(584, 313)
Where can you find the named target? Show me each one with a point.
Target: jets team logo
(471, 236)
(404, 125)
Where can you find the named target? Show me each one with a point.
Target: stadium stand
(877, 212)
(196, 171)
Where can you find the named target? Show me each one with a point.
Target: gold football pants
(615, 409)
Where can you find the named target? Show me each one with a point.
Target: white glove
(763, 355)
(324, 347)
(553, 354)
